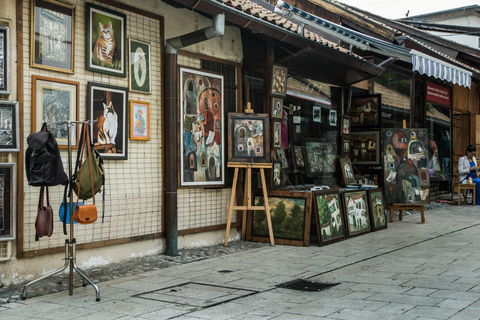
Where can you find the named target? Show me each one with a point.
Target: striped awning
(439, 69)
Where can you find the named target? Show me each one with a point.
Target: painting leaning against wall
(202, 129)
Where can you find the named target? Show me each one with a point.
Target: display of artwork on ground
(356, 212)
(201, 101)
(320, 157)
(405, 160)
(329, 216)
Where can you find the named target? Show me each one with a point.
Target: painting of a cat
(105, 45)
(108, 131)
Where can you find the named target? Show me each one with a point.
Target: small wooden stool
(401, 206)
(466, 187)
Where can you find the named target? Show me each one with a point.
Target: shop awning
(442, 70)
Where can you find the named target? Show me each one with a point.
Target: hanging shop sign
(439, 94)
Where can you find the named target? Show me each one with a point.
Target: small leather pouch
(44, 221)
(85, 214)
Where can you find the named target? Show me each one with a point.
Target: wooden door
(461, 138)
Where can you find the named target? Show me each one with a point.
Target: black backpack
(42, 160)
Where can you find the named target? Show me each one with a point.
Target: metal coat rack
(70, 244)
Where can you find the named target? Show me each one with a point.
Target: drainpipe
(171, 128)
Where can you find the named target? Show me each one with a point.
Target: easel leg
(267, 207)
(244, 215)
(230, 207)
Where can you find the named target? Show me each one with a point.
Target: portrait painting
(365, 147)
(52, 36)
(202, 128)
(329, 216)
(55, 100)
(9, 126)
(376, 203)
(277, 108)
(248, 137)
(8, 203)
(319, 157)
(356, 212)
(139, 120)
(107, 106)
(106, 41)
(139, 67)
(365, 111)
(4, 60)
(279, 81)
(347, 171)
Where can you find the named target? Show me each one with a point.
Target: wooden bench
(401, 206)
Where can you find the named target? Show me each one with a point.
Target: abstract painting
(320, 157)
(329, 216)
(248, 137)
(356, 212)
(365, 111)
(406, 165)
(365, 148)
(202, 128)
(279, 81)
(376, 203)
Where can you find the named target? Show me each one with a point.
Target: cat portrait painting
(106, 42)
(108, 111)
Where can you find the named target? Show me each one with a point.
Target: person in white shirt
(467, 168)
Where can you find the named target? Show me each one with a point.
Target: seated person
(467, 168)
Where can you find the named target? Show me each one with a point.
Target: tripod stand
(70, 244)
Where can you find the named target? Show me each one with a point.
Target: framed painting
(290, 215)
(106, 41)
(329, 216)
(279, 81)
(368, 177)
(346, 125)
(4, 60)
(297, 153)
(277, 134)
(365, 111)
(202, 160)
(376, 204)
(345, 146)
(55, 100)
(333, 118)
(278, 176)
(139, 79)
(9, 126)
(319, 157)
(139, 120)
(277, 108)
(317, 114)
(357, 216)
(107, 106)
(282, 158)
(248, 138)
(52, 36)
(347, 171)
(8, 204)
(365, 148)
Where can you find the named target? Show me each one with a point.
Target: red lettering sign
(439, 94)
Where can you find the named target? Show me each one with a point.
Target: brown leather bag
(85, 214)
(44, 221)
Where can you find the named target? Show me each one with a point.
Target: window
(439, 140)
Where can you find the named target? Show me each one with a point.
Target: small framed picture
(8, 187)
(139, 67)
(9, 127)
(297, 153)
(139, 120)
(355, 204)
(277, 134)
(278, 176)
(4, 60)
(248, 137)
(277, 108)
(333, 118)
(346, 125)
(347, 171)
(345, 146)
(55, 100)
(279, 81)
(52, 36)
(365, 147)
(106, 41)
(317, 114)
(365, 111)
(107, 106)
(376, 202)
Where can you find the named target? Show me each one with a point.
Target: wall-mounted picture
(202, 129)
(364, 111)
(282, 158)
(248, 137)
(106, 41)
(279, 81)
(139, 120)
(376, 203)
(277, 134)
(406, 165)
(4, 60)
(346, 146)
(55, 100)
(333, 118)
(7, 201)
(290, 215)
(139, 79)
(9, 127)
(107, 106)
(297, 152)
(278, 176)
(52, 36)
(347, 171)
(329, 217)
(317, 114)
(277, 108)
(319, 157)
(346, 125)
(355, 204)
(365, 148)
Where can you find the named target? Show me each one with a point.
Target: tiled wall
(134, 186)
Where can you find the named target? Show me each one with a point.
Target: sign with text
(439, 94)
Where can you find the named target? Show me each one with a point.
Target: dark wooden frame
(345, 118)
(6, 87)
(379, 118)
(345, 180)
(274, 69)
(322, 242)
(15, 147)
(279, 125)
(342, 150)
(88, 38)
(307, 196)
(272, 175)
(345, 210)
(307, 162)
(294, 144)
(274, 100)
(9, 200)
(266, 139)
(378, 159)
(370, 204)
(131, 42)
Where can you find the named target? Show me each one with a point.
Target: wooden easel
(247, 204)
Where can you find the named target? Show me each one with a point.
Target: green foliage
(116, 63)
(324, 213)
(395, 81)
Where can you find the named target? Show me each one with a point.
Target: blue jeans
(477, 190)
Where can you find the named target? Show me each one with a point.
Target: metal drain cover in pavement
(196, 294)
(306, 285)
